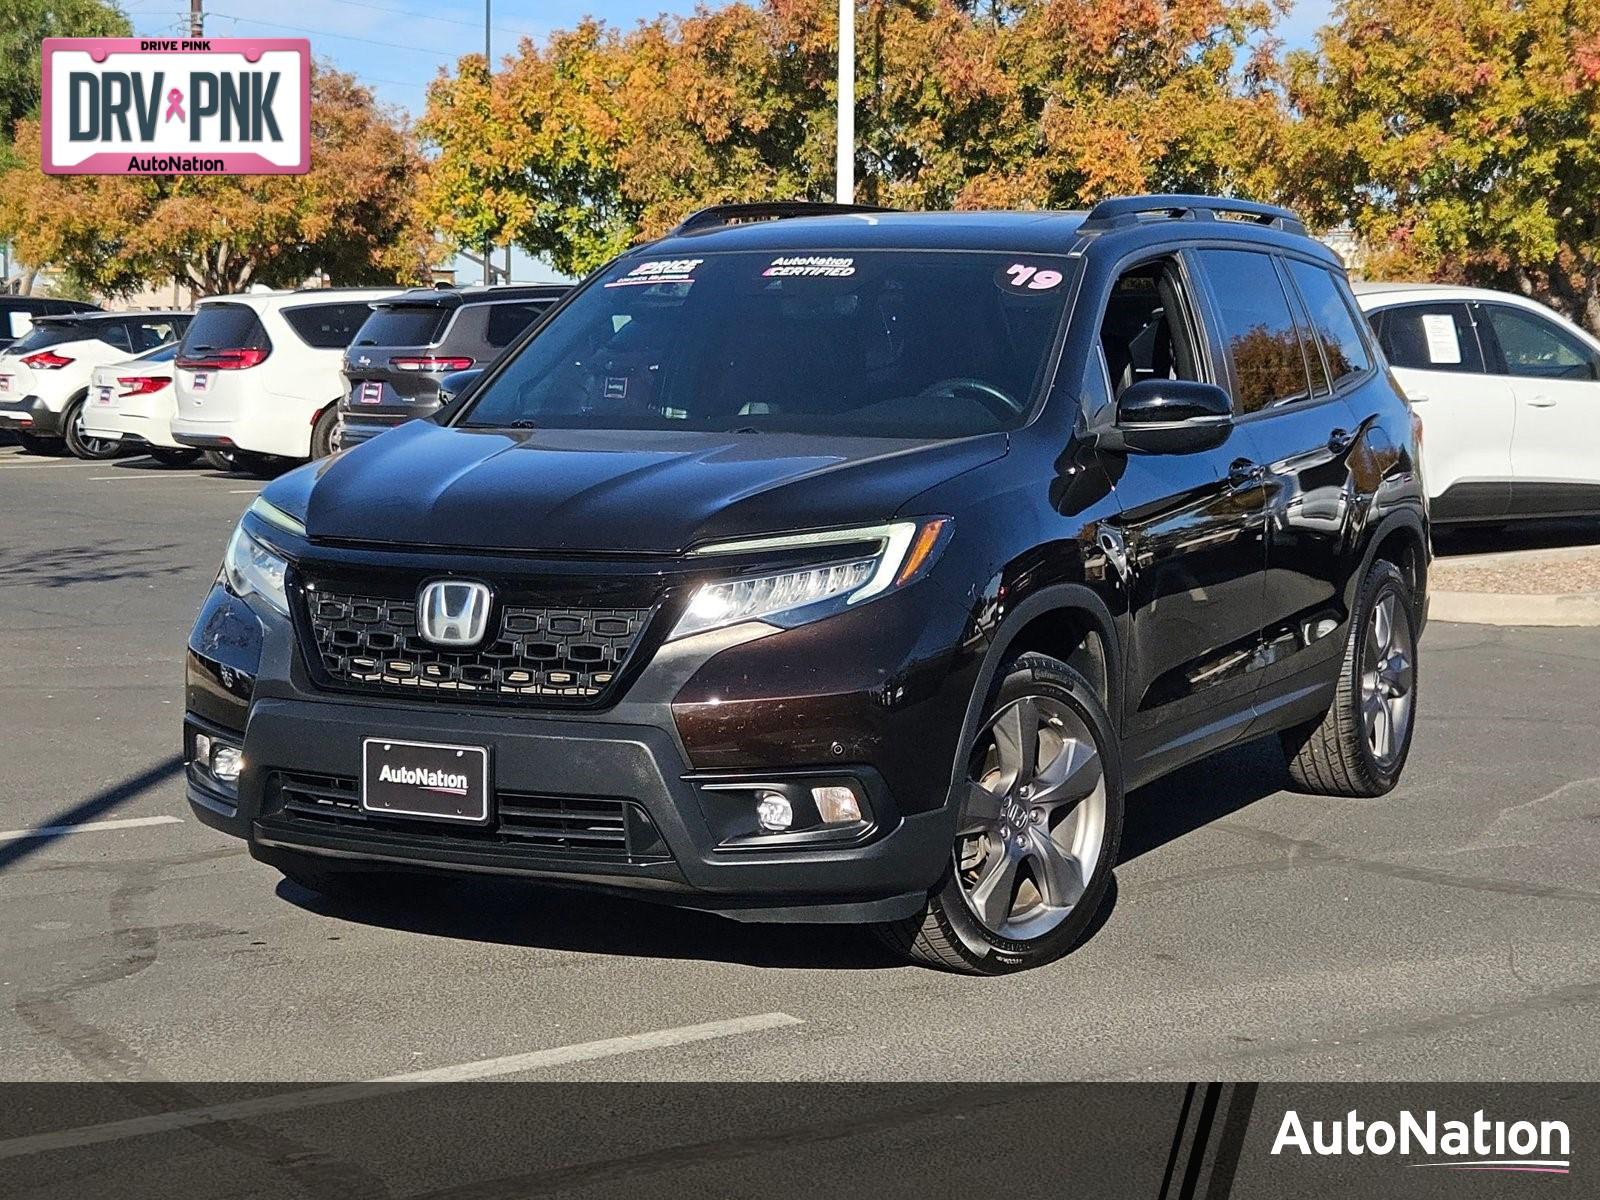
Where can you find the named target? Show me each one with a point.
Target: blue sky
(397, 46)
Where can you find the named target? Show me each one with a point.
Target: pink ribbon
(175, 105)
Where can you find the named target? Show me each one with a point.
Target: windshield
(908, 344)
(402, 325)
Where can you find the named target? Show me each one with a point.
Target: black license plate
(425, 779)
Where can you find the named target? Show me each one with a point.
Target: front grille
(551, 826)
(533, 654)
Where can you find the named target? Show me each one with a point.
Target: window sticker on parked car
(1444, 344)
(661, 270)
(1026, 277)
(810, 266)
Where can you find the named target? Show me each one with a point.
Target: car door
(1554, 372)
(1189, 536)
(1468, 413)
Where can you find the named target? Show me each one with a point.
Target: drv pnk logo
(165, 106)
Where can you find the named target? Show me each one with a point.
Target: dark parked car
(409, 343)
(838, 565)
(17, 314)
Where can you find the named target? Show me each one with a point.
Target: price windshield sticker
(661, 270)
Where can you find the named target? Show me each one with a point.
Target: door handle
(1417, 397)
(1340, 440)
(1541, 401)
(1242, 472)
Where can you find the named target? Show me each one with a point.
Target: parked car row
(1508, 391)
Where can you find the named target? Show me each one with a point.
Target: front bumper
(30, 415)
(627, 765)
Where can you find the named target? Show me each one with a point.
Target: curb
(1492, 608)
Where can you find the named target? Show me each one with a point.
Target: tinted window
(150, 332)
(1332, 320)
(507, 321)
(1269, 367)
(112, 333)
(907, 344)
(402, 325)
(50, 333)
(223, 327)
(1537, 348)
(1429, 337)
(328, 326)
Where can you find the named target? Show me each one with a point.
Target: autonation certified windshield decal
(170, 106)
(810, 266)
(661, 270)
(1478, 1144)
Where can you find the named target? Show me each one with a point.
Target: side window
(114, 333)
(507, 321)
(1147, 332)
(1429, 337)
(327, 326)
(1536, 348)
(1334, 323)
(147, 335)
(1269, 367)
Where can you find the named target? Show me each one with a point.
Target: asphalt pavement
(1446, 931)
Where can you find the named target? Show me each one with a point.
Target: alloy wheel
(1033, 820)
(94, 447)
(1387, 678)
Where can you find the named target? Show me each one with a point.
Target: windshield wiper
(523, 423)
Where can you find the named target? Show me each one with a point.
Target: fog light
(836, 805)
(227, 762)
(202, 751)
(774, 812)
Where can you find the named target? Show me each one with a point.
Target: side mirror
(1169, 416)
(453, 384)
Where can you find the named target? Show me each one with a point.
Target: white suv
(45, 374)
(258, 373)
(1509, 397)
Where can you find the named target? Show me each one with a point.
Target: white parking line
(141, 477)
(344, 1093)
(17, 835)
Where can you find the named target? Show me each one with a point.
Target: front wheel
(79, 442)
(1359, 746)
(1037, 833)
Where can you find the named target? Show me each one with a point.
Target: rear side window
(328, 326)
(1269, 366)
(1332, 321)
(224, 327)
(112, 333)
(1429, 337)
(402, 325)
(507, 321)
(148, 333)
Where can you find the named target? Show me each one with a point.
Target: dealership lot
(1445, 931)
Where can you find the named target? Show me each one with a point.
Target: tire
(1037, 905)
(168, 456)
(79, 443)
(218, 460)
(33, 443)
(322, 433)
(1342, 754)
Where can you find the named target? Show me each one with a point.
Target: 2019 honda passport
(830, 564)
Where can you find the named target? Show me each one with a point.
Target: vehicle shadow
(1526, 535)
(514, 913)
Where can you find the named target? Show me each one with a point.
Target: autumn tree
(597, 137)
(1462, 140)
(24, 24)
(353, 216)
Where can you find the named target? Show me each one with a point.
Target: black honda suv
(414, 341)
(833, 564)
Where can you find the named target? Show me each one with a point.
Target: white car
(132, 403)
(258, 373)
(45, 374)
(1509, 397)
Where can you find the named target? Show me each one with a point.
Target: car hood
(582, 491)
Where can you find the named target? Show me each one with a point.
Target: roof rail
(719, 215)
(1120, 211)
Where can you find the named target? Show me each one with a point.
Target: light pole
(488, 67)
(844, 190)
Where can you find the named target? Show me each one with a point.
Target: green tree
(23, 25)
(1461, 138)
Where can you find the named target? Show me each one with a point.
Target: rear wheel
(218, 460)
(1037, 834)
(33, 443)
(78, 441)
(322, 433)
(1359, 746)
(168, 456)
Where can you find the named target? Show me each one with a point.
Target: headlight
(792, 597)
(249, 567)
